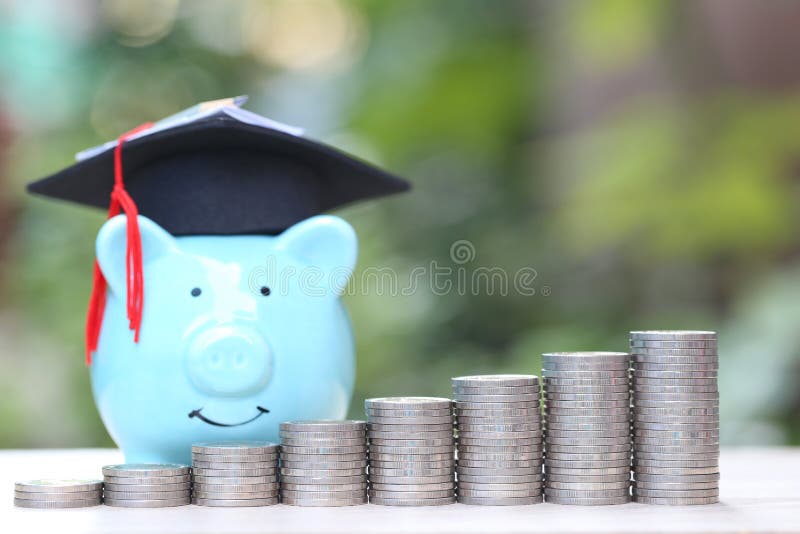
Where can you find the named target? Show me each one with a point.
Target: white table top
(760, 491)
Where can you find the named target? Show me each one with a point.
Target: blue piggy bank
(239, 333)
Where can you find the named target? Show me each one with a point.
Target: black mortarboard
(222, 170)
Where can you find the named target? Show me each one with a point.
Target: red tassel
(134, 272)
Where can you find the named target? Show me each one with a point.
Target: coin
(410, 427)
(355, 443)
(148, 480)
(267, 479)
(670, 335)
(676, 471)
(388, 452)
(443, 420)
(530, 454)
(500, 399)
(325, 464)
(582, 448)
(316, 473)
(197, 494)
(235, 502)
(587, 501)
(66, 496)
(244, 472)
(687, 462)
(328, 426)
(499, 501)
(410, 472)
(349, 457)
(497, 442)
(377, 413)
(323, 501)
(500, 464)
(676, 501)
(324, 450)
(552, 463)
(235, 447)
(51, 485)
(409, 403)
(149, 503)
(709, 492)
(440, 434)
(507, 407)
(148, 487)
(495, 380)
(411, 501)
(684, 344)
(220, 458)
(523, 492)
(675, 479)
(514, 471)
(433, 494)
(585, 493)
(421, 464)
(500, 479)
(139, 470)
(229, 488)
(32, 503)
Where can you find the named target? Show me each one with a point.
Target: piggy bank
(239, 333)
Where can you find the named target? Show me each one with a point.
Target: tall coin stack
(147, 485)
(587, 434)
(499, 424)
(235, 473)
(412, 451)
(52, 493)
(324, 463)
(675, 417)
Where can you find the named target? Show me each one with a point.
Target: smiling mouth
(203, 418)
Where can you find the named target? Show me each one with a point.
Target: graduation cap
(214, 169)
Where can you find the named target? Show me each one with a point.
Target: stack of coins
(412, 451)
(324, 463)
(499, 424)
(52, 493)
(147, 485)
(675, 417)
(587, 435)
(235, 473)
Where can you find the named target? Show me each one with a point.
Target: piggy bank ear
(324, 242)
(111, 246)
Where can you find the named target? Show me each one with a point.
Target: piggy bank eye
(265, 291)
(196, 292)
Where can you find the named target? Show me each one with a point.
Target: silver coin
(677, 501)
(323, 502)
(229, 488)
(682, 344)
(505, 407)
(409, 501)
(523, 492)
(688, 403)
(680, 464)
(644, 381)
(588, 390)
(588, 486)
(377, 413)
(325, 425)
(671, 390)
(641, 426)
(619, 417)
(151, 503)
(588, 441)
(677, 335)
(325, 465)
(426, 487)
(235, 494)
(587, 501)
(60, 485)
(267, 479)
(494, 457)
(557, 434)
(500, 464)
(675, 367)
(235, 447)
(289, 486)
(497, 442)
(500, 479)
(585, 494)
(588, 427)
(685, 459)
(571, 465)
(646, 353)
(564, 405)
(148, 487)
(326, 438)
(583, 449)
(320, 443)
(411, 427)
(413, 464)
(324, 451)
(708, 492)
(499, 415)
(441, 421)
(565, 399)
(29, 503)
(66, 496)
(656, 485)
(697, 420)
(249, 472)
(692, 395)
(349, 457)
(525, 448)
(499, 501)
(532, 435)
(577, 480)
(432, 494)
(531, 419)
(673, 374)
(352, 479)
(535, 485)
(146, 495)
(676, 471)
(616, 379)
(433, 442)
(389, 457)
(590, 456)
(317, 473)
(497, 390)
(495, 380)
(497, 471)
(142, 470)
(584, 356)
(386, 449)
(666, 479)
(378, 479)
(148, 480)
(235, 503)
(499, 427)
(411, 435)
(407, 403)
(234, 465)
(501, 399)
(410, 472)
(646, 435)
(238, 459)
(674, 449)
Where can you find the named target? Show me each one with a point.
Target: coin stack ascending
(235, 473)
(147, 485)
(52, 493)
(412, 451)
(499, 423)
(587, 434)
(324, 463)
(675, 417)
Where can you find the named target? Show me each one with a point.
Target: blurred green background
(642, 156)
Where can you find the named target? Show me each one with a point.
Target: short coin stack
(147, 485)
(499, 423)
(675, 417)
(587, 434)
(235, 473)
(52, 493)
(412, 451)
(324, 463)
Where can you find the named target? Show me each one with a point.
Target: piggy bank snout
(229, 361)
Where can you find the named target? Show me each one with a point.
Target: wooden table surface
(760, 491)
